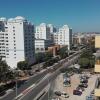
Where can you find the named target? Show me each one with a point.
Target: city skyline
(82, 16)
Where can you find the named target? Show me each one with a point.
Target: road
(45, 97)
(29, 82)
(35, 91)
(39, 87)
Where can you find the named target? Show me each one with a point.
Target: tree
(23, 65)
(39, 57)
(63, 52)
(4, 71)
(84, 62)
(48, 55)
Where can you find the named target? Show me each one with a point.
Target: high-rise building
(42, 32)
(16, 40)
(43, 37)
(97, 67)
(63, 36)
(52, 28)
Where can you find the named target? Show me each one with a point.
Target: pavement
(74, 83)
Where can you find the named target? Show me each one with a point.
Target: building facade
(16, 40)
(63, 36)
(41, 45)
(42, 32)
(43, 37)
(97, 67)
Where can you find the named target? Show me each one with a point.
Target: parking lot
(75, 81)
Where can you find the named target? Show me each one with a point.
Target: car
(84, 81)
(77, 92)
(80, 88)
(58, 93)
(65, 95)
(84, 85)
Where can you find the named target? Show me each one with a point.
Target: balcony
(97, 88)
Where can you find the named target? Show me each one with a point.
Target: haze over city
(81, 15)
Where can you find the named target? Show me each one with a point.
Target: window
(42, 49)
(37, 48)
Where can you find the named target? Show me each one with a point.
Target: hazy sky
(81, 15)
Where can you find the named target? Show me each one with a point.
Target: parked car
(80, 88)
(84, 85)
(58, 93)
(65, 95)
(77, 92)
(83, 80)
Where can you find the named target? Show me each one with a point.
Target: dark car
(84, 85)
(80, 88)
(77, 92)
(58, 93)
(84, 81)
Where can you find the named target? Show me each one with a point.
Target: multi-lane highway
(28, 83)
(42, 84)
(35, 91)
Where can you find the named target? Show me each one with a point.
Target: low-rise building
(41, 45)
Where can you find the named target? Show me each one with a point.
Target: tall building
(52, 28)
(63, 36)
(42, 32)
(43, 37)
(97, 67)
(16, 40)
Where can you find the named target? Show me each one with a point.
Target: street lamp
(48, 89)
(16, 86)
(16, 78)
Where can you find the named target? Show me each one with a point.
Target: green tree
(48, 55)
(4, 71)
(63, 52)
(84, 62)
(39, 57)
(23, 65)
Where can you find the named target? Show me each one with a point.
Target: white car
(65, 95)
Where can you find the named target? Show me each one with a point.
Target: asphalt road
(35, 91)
(31, 95)
(24, 86)
(45, 97)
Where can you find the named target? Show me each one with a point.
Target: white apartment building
(52, 28)
(42, 32)
(43, 37)
(63, 36)
(42, 45)
(16, 40)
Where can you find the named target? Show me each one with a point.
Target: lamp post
(16, 71)
(16, 86)
(48, 89)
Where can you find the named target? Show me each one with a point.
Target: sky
(80, 15)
